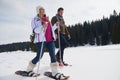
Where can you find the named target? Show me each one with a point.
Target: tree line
(23, 46)
(100, 32)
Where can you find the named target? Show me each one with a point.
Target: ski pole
(59, 45)
(59, 42)
(41, 50)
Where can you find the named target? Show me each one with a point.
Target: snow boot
(55, 72)
(54, 68)
(30, 66)
(65, 64)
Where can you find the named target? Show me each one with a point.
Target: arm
(67, 32)
(53, 21)
(36, 26)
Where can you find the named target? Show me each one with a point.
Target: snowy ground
(89, 63)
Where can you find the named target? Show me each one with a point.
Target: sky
(16, 15)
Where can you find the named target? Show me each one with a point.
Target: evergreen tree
(32, 45)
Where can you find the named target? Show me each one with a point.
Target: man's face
(60, 12)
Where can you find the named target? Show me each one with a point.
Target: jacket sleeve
(53, 20)
(67, 32)
(36, 26)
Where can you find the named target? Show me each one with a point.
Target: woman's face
(42, 11)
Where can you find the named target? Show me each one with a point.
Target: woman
(44, 33)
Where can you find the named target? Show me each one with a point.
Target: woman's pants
(51, 48)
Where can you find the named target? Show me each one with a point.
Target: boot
(30, 66)
(55, 72)
(65, 64)
(54, 68)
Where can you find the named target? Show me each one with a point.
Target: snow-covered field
(88, 63)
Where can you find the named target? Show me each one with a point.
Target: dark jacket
(63, 27)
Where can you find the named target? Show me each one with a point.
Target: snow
(88, 63)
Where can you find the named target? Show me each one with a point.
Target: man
(64, 35)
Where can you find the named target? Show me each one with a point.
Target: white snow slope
(88, 63)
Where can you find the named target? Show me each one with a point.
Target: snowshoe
(58, 76)
(27, 74)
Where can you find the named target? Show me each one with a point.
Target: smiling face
(60, 12)
(41, 11)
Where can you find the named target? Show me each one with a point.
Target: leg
(62, 56)
(62, 53)
(54, 65)
(56, 73)
(64, 44)
(38, 48)
(51, 48)
(58, 54)
(32, 63)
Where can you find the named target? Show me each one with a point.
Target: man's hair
(60, 9)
